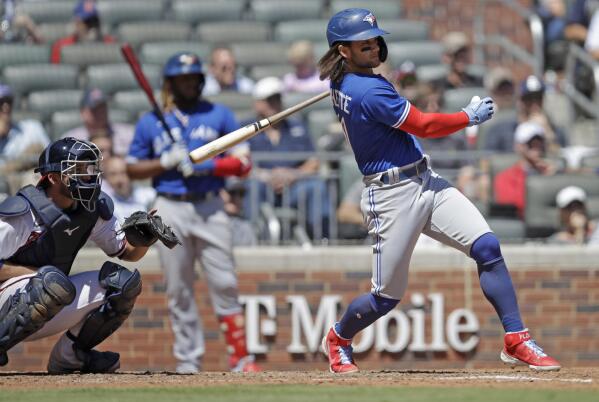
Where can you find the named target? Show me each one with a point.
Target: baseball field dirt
(577, 384)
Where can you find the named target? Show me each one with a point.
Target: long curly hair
(332, 64)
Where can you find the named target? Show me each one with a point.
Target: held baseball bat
(133, 62)
(233, 138)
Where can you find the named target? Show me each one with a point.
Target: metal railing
(536, 59)
(578, 56)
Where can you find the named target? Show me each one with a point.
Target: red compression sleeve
(231, 166)
(434, 125)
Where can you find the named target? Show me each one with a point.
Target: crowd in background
(523, 128)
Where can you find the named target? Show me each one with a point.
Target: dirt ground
(581, 378)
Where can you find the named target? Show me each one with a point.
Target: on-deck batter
(404, 197)
(188, 198)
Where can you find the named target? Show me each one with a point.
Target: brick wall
(561, 306)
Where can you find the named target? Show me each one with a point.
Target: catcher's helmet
(78, 160)
(182, 63)
(355, 24)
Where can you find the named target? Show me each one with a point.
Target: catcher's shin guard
(233, 327)
(27, 311)
(122, 288)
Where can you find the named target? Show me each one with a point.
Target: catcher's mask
(79, 162)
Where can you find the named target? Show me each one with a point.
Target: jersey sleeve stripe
(403, 116)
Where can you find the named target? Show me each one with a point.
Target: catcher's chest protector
(64, 234)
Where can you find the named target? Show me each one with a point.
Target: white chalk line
(516, 378)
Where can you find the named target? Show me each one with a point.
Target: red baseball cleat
(246, 364)
(521, 349)
(339, 352)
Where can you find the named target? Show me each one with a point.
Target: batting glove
(174, 156)
(479, 111)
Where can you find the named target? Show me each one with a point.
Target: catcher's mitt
(143, 229)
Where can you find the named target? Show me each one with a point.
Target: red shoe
(521, 349)
(339, 352)
(246, 364)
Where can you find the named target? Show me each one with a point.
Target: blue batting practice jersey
(202, 124)
(370, 110)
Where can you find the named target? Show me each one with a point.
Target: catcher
(42, 228)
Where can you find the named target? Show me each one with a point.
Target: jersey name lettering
(340, 100)
(203, 132)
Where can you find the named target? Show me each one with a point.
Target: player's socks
(495, 281)
(361, 312)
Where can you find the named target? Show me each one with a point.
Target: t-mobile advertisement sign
(456, 330)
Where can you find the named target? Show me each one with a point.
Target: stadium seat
(381, 8)
(159, 52)
(134, 102)
(404, 30)
(63, 121)
(111, 78)
(419, 52)
(137, 33)
(431, 72)
(273, 70)
(456, 99)
(233, 100)
(240, 31)
(47, 102)
(87, 54)
(22, 114)
(290, 31)
(541, 213)
(260, 53)
(198, 11)
(319, 121)
(52, 31)
(508, 230)
(39, 77)
(285, 10)
(14, 54)
(348, 174)
(48, 11)
(114, 12)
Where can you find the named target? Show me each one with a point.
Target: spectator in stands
(406, 80)
(103, 141)
(510, 184)
(305, 77)
(457, 55)
(500, 136)
(553, 15)
(16, 27)
(576, 225)
(300, 177)
(592, 41)
(20, 142)
(96, 121)
(223, 74)
(127, 198)
(233, 195)
(88, 28)
(500, 85)
(578, 20)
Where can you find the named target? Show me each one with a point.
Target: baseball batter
(188, 198)
(403, 196)
(42, 229)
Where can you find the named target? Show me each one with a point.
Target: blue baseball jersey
(202, 124)
(370, 111)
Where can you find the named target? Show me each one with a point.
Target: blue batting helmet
(355, 24)
(181, 64)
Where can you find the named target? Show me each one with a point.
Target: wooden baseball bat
(131, 59)
(233, 138)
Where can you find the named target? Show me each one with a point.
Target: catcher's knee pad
(122, 288)
(27, 311)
